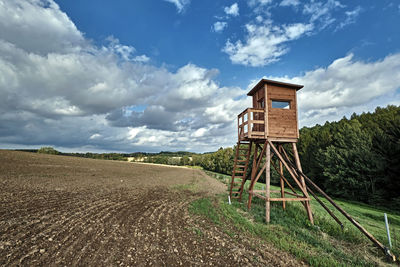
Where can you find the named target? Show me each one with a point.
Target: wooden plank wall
(257, 96)
(282, 122)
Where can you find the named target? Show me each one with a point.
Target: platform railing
(251, 124)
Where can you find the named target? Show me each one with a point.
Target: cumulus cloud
(181, 5)
(62, 90)
(54, 31)
(346, 86)
(232, 10)
(188, 95)
(264, 44)
(219, 26)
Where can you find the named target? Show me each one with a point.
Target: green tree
(184, 161)
(48, 150)
(350, 166)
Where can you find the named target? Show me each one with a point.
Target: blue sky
(158, 29)
(173, 74)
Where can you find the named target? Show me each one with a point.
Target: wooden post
(249, 130)
(282, 182)
(267, 182)
(298, 165)
(239, 132)
(266, 125)
(253, 175)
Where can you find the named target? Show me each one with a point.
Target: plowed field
(58, 210)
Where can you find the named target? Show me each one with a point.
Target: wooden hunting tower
(270, 123)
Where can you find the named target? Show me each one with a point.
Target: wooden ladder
(239, 171)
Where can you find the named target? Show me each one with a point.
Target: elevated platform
(251, 127)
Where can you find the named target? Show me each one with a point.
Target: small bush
(48, 150)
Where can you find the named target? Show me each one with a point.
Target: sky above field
(172, 75)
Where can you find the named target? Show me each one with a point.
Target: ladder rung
(241, 164)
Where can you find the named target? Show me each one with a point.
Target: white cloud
(183, 103)
(264, 44)
(53, 30)
(351, 17)
(266, 41)
(199, 132)
(125, 51)
(141, 58)
(73, 94)
(290, 3)
(345, 86)
(181, 5)
(253, 3)
(94, 136)
(133, 132)
(219, 26)
(232, 10)
(321, 13)
(83, 82)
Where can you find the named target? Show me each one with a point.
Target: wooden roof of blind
(272, 82)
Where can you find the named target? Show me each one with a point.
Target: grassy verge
(322, 244)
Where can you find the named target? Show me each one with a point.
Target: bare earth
(58, 210)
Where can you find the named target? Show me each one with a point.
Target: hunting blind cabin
(272, 121)
(271, 126)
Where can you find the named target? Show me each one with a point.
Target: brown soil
(58, 210)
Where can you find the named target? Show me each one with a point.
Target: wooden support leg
(267, 182)
(282, 181)
(298, 165)
(253, 175)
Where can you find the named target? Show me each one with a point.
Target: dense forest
(356, 158)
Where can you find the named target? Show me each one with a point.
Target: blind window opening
(281, 104)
